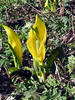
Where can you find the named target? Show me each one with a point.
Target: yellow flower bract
(15, 43)
(37, 39)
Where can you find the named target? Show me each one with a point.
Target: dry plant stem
(62, 8)
(40, 3)
(41, 13)
(15, 20)
(38, 11)
(0, 96)
(59, 63)
(57, 71)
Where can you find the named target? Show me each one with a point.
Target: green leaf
(12, 69)
(52, 58)
(16, 60)
(2, 62)
(43, 98)
(71, 61)
(0, 44)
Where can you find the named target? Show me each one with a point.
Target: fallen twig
(57, 71)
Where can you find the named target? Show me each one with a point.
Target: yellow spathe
(37, 39)
(15, 43)
(46, 3)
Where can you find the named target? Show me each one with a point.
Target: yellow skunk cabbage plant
(36, 44)
(46, 3)
(53, 4)
(37, 39)
(15, 45)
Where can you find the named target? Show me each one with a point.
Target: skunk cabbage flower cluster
(36, 40)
